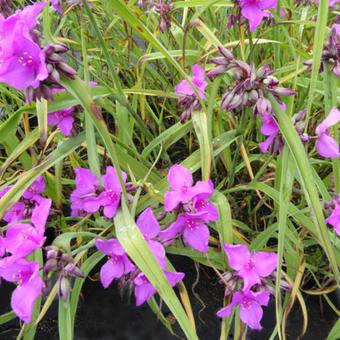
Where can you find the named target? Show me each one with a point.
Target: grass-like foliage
(198, 128)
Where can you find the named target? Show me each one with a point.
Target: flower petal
(110, 271)
(264, 263)
(327, 146)
(332, 119)
(148, 224)
(198, 237)
(238, 255)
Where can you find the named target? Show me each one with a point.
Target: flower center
(250, 264)
(202, 204)
(25, 59)
(60, 114)
(111, 195)
(245, 304)
(33, 189)
(192, 224)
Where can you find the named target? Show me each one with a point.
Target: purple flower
(16, 213)
(250, 307)
(195, 232)
(326, 145)
(181, 182)
(22, 239)
(86, 183)
(29, 285)
(150, 228)
(118, 263)
(198, 79)
(202, 204)
(253, 10)
(63, 119)
(36, 188)
(250, 266)
(144, 290)
(22, 60)
(269, 128)
(110, 197)
(26, 66)
(334, 218)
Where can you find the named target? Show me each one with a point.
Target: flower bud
(72, 270)
(51, 265)
(64, 287)
(66, 70)
(226, 53)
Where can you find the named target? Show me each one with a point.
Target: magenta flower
(269, 128)
(250, 266)
(16, 213)
(198, 79)
(87, 184)
(181, 182)
(254, 11)
(144, 290)
(63, 119)
(250, 307)
(150, 228)
(118, 263)
(326, 145)
(26, 66)
(110, 197)
(35, 189)
(202, 204)
(195, 232)
(29, 286)
(334, 218)
(22, 239)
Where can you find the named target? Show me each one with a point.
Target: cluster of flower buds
(6, 7)
(330, 53)
(163, 8)
(60, 262)
(55, 66)
(250, 84)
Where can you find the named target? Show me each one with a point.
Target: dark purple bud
(60, 47)
(63, 287)
(66, 70)
(253, 95)
(226, 53)
(54, 58)
(282, 91)
(271, 81)
(29, 94)
(54, 76)
(72, 270)
(51, 265)
(218, 70)
(219, 61)
(49, 49)
(227, 98)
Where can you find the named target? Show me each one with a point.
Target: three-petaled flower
(250, 307)
(250, 266)
(118, 263)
